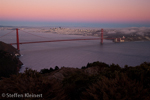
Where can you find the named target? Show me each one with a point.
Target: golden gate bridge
(18, 43)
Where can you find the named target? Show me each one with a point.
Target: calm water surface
(77, 53)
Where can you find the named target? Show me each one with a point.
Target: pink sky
(76, 10)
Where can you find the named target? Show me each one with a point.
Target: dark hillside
(8, 48)
(96, 81)
(9, 63)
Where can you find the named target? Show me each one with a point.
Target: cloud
(131, 30)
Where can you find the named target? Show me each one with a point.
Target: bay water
(76, 53)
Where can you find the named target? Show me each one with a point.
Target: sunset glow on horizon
(76, 10)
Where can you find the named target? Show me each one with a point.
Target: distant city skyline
(127, 13)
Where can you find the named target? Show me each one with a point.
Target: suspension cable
(6, 34)
(35, 35)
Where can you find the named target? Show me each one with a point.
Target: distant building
(119, 39)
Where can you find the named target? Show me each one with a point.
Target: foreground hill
(8, 48)
(96, 81)
(9, 63)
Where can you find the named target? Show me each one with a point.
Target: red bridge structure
(18, 43)
(18, 48)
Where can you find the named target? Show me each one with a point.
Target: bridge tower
(17, 37)
(101, 36)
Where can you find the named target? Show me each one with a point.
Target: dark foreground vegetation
(9, 64)
(96, 81)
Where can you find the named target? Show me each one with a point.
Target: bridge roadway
(59, 40)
